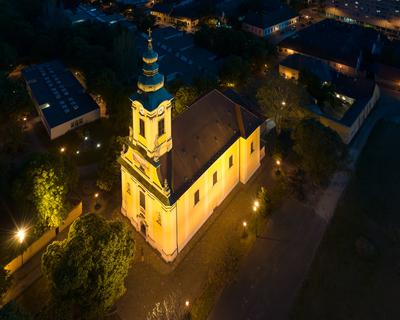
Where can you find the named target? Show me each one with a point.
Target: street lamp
(98, 145)
(278, 166)
(96, 204)
(20, 235)
(62, 149)
(187, 303)
(86, 138)
(283, 103)
(77, 152)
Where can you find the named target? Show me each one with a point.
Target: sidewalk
(29, 272)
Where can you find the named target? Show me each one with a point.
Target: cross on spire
(149, 38)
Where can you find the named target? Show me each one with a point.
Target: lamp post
(278, 166)
(256, 206)
(244, 224)
(96, 196)
(21, 236)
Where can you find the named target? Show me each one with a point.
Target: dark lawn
(342, 283)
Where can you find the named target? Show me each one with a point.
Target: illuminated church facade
(175, 172)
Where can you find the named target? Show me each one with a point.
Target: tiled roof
(200, 135)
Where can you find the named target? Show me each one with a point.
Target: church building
(175, 172)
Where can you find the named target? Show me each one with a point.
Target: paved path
(274, 270)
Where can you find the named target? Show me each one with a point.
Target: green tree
(109, 173)
(281, 100)
(125, 56)
(43, 185)
(88, 269)
(183, 98)
(234, 71)
(320, 149)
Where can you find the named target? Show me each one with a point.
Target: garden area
(356, 271)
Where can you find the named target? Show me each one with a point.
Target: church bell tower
(151, 109)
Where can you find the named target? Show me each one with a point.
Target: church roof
(200, 135)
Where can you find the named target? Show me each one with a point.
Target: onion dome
(150, 80)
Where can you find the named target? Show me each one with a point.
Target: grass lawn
(344, 282)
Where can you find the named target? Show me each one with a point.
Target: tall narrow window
(252, 147)
(142, 128)
(196, 197)
(142, 199)
(128, 188)
(161, 127)
(230, 161)
(215, 178)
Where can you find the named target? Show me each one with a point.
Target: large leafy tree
(109, 172)
(234, 71)
(43, 185)
(88, 269)
(281, 100)
(320, 149)
(183, 98)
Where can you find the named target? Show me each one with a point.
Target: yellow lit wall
(169, 228)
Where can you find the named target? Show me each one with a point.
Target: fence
(45, 239)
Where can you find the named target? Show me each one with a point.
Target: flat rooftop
(57, 92)
(333, 41)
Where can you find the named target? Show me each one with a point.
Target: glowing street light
(62, 149)
(20, 235)
(244, 224)
(86, 138)
(77, 151)
(283, 103)
(96, 195)
(187, 303)
(278, 163)
(25, 118)
(98, 145)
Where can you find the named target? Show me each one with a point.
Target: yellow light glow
(256, 203)
(278, 162)
(187, 303)
(62, 149)
(20, 235)
(96, 195)
(244, 224)
(254, 208)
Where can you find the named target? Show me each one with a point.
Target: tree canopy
(320, 149)
(43, 185)
(282, 100)
(88, 269)
(183, 98)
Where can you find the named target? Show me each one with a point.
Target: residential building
(384, 15)
(264, 24)
(344, 51)
(59, 98)
(185, 17)
(175, 172)
(353, 97)
(179, 56)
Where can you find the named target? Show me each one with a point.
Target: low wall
(43, 241)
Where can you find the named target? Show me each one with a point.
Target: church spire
(150, 80)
